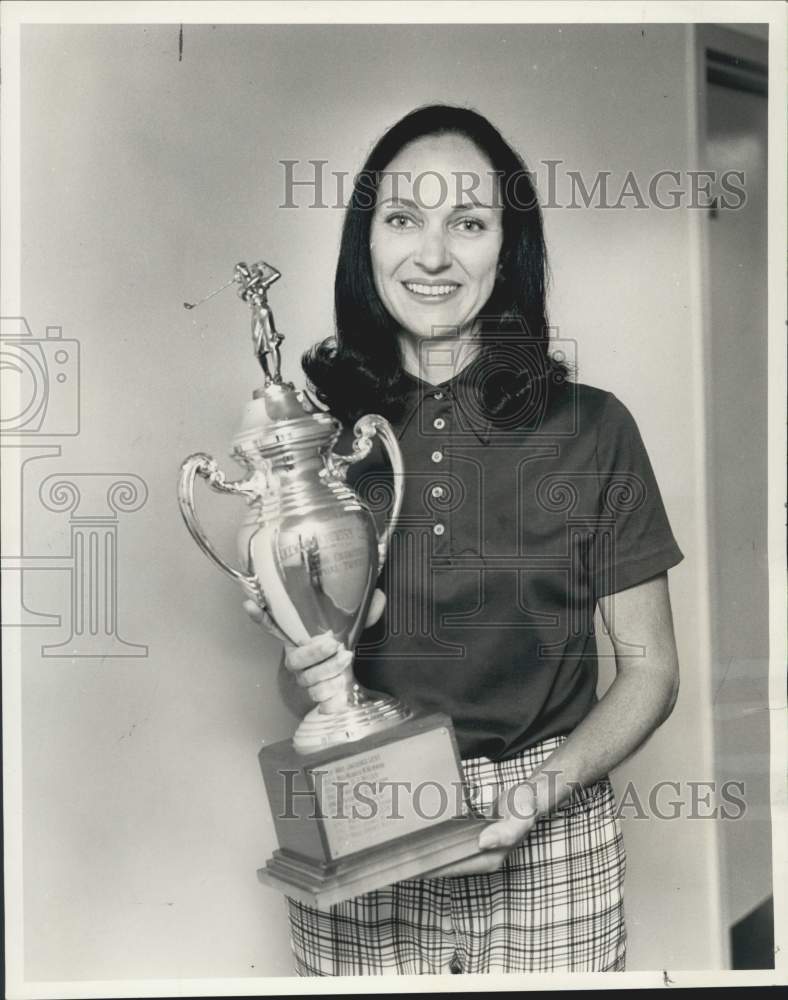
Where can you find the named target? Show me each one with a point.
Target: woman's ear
(503, 260)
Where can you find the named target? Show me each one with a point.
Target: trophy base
(322, 886)
(357, 817)
(370, 714)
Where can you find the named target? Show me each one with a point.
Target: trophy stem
(366, 713)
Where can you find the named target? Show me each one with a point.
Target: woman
(529, 501)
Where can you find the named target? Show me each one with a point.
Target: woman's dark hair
(360, 371)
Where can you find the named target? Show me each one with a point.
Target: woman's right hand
(321, 665)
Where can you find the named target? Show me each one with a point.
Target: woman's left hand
(518, 813)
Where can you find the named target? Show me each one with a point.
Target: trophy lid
(279, 417)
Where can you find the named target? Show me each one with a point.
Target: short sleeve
(634, 540)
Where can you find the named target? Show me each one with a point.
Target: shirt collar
(462, 390)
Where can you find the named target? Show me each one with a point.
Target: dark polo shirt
(506, 539)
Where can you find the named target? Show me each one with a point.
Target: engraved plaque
(371, 798)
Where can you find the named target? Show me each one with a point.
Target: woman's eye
(400, 221)
(470, 225)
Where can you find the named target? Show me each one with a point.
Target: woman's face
(436, 235)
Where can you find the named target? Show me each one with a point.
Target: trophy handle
(365, 430)
(203, 465)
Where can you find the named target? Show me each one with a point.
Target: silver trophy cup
(309, 548)
(309, 555)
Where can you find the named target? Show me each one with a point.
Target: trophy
(367, 792)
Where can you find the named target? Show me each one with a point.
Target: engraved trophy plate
(399, 788)
(310, 555)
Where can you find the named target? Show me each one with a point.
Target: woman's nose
(433, 253)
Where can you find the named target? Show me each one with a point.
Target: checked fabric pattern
(555, 905)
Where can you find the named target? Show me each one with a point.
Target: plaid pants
(555, 904)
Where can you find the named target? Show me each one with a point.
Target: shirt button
(437, 395)
(437, 456)
(439, 423)
(437, 492)
(438, 529)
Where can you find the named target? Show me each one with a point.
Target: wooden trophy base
(323, 885)
(362, 815)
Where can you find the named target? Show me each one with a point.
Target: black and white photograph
(393, 497)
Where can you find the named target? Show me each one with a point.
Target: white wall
(145, 178)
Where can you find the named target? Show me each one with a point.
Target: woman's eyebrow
(469, 206)
(408, 203)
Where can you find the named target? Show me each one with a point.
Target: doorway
(733, 137)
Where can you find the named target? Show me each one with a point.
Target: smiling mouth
(435, 293)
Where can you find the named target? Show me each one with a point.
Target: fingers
(254, 612)
(505, 834)
(376, 608)
(321, 666)
(314, 651)
(326, 670)
(331, 695)
(335, 704)
(519, 814)
(257, 614)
